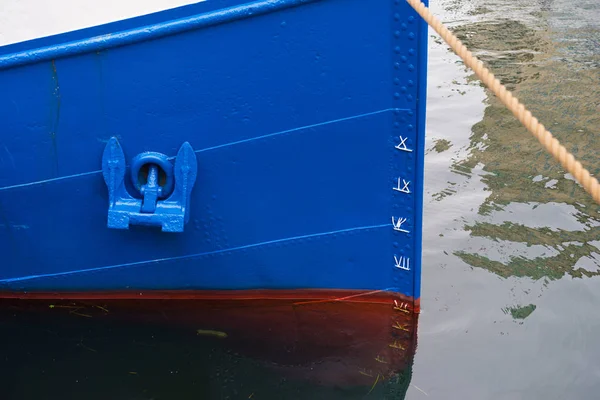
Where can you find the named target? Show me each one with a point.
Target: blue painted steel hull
(304, 116)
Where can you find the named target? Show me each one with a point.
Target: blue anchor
(165, 193)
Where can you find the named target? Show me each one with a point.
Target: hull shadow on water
(299, 345)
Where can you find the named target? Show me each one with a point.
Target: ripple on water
(511, 249)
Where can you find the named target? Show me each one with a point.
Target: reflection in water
(558, 78)
(511, 242)
(300, 347)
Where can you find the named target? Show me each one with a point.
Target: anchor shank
(151, 190)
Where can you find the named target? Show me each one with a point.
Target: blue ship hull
(305, 121)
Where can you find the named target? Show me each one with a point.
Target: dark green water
(50, 357)
(192, 350)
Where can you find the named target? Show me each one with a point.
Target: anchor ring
(166, 179)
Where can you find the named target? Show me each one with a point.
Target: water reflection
(511, 249)
(301, 347)
(562, 89)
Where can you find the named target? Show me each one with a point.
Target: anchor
(165, 188)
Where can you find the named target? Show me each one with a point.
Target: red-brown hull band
(379, 296)
(333, 337)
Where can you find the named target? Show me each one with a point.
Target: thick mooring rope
(551, 144)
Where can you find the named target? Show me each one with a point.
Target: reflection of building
(315, 342)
